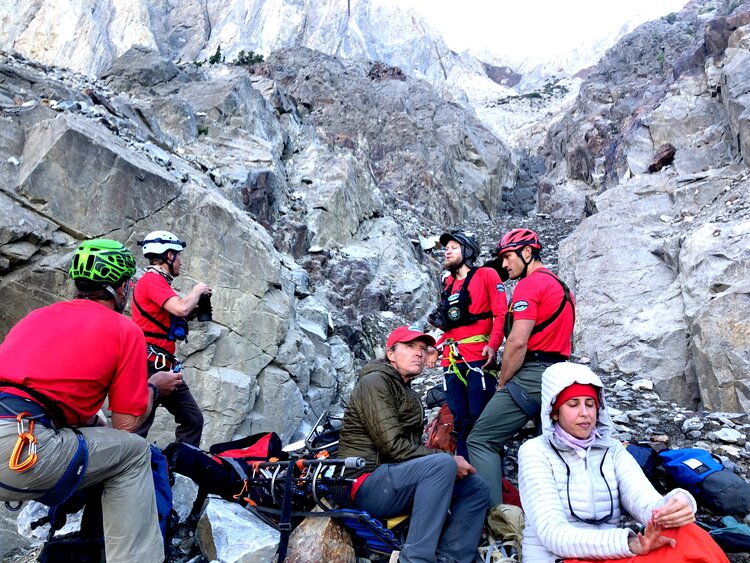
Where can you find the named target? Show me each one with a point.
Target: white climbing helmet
(158, 242)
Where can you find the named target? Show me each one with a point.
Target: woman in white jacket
(575, 480)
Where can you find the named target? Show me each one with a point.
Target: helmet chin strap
(170, 263)
(525, 263)
(120, 303)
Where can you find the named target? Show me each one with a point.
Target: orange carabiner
(25, 437)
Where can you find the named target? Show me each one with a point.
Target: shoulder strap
(566, 299)
(152, 320)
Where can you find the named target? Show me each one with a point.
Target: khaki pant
(120, 461)
(499, 422)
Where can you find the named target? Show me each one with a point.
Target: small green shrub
(670, 18)
(202, 131)
(249, 58)
(216, 57)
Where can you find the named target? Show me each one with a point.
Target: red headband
(576, 390)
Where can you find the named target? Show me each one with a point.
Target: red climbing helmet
(516, 240)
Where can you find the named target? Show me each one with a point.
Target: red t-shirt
(487, 293)
(151, 292)
(536, 297)
(76, 353)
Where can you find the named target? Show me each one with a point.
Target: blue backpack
(688, 467)
(163, 490)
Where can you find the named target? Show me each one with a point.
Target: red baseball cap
(408, 334)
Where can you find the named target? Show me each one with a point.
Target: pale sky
(534, 27)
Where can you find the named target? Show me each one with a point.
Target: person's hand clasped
(489, 352)
(166, 381)
(649, 540)
(676, 512)
(464, 467)
(203, 289)
(432, 357)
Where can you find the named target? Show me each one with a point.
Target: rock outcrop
(287, 182)
(661, 261)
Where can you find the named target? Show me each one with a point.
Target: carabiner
(25, 437)
(163, 359)
(19, 423)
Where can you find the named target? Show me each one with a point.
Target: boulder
(719, 343)
(663, 157)
(184, 493)
(66, 155)
(629, 309)
(227, 532)
(139, 67)
(320, 539)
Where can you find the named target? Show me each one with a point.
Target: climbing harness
(50, 415)
(161, 358)
(454, 307)
(454, 357)
(177, 329)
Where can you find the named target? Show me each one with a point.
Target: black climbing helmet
(469, 245)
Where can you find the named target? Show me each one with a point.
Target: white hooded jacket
(601, 484)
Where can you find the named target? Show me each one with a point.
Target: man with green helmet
(57, 366)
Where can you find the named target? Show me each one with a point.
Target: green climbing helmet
(102, 261)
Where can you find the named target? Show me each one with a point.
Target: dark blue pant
(467, 401)
(421, 486)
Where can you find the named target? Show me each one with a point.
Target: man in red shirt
(471, 309)
(163, 316)
(539, 328)
(57, 365)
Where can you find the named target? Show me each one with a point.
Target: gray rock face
(236, 162)
(736, 94)
(640, 96)
(426, 149)
(660, 266)
(192, 30)
(623, 279)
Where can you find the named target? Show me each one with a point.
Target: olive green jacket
(383, 421)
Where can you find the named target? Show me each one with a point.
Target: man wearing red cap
(538, 329)
(383, 424)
